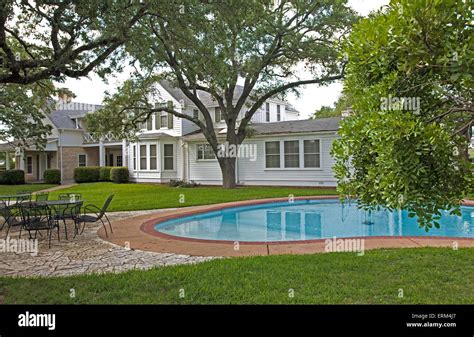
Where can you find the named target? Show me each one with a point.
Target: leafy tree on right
(410, 79)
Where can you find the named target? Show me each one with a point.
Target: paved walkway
(85, 254)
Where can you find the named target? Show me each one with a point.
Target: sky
(91, 89)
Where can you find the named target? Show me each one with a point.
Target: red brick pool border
(139, 233)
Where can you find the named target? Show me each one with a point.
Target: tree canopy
(214, 46)
(410, 79)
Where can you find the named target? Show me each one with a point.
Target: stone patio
(85, 254)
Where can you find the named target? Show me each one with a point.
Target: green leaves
(403, 157)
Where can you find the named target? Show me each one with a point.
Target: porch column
(7, 160)
(124, 153)
(20, 153)
(101, 154)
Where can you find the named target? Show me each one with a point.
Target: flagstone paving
(85, 254)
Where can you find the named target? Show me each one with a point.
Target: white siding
(203, 171)
(254, 172)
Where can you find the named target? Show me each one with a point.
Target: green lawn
(13, 189)
(149, 196)
(426, 275)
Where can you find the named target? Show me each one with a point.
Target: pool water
(309, 220)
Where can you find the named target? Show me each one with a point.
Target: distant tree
(336, 110)
(212, 45)
(411, 83)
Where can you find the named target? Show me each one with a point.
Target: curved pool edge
(140, 234)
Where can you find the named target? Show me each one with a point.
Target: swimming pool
(309, 220)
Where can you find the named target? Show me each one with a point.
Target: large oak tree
(212, 46)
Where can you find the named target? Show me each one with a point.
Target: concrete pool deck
(138, 233)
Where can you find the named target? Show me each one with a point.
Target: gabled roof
(286, 127)
(205, 97)
(63, 116)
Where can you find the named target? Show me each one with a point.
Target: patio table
(56, 205)
(11, 199)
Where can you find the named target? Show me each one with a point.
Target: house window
(119, 161)
(153, 157)
(196, 113)
(157, 121)
(82, 160)
(272, 154)
(29, 165)
(149, 124)
(218, 115)
(164, 119)
(143, 165)
(278, 113)
(168, 156)
(134, 158)
(311, 153)
(267, 112)
(204, 152)
(292, 153)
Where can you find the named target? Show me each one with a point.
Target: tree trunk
(227, 165)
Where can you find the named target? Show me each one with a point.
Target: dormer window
(267, 112)
(78, 123)
(278, 113)
(218, 115)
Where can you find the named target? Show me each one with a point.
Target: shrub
(182, 183)
(87, 174)
(104, 174)
(52, 176)
(119, 175)
(13, 177)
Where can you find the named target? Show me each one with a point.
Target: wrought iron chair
(70, 196)
(37, 217)
(41, 196)
(67, 212)
(99, 215)
(9, 218)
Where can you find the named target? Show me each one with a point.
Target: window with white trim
(81, 160)
(272, 154)
(278, 113)
(292, 153)
(312, 155)
(196, 113)
(134, 157)
(153, 157)
(168, 156)
(143, 165)
(204, 152)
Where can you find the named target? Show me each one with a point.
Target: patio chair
(70, 196)
(9, 218)
(99, 215)
(41, 196)
(67, 212)
(37, 217)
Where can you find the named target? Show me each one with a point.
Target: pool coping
(139, 233)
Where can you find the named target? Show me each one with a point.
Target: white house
(282, 150)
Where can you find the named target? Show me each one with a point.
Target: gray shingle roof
(286, 127)
(62, 116)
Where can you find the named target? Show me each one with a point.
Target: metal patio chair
(99, 215)
(36, 218)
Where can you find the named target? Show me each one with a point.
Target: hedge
(52, 176)
(12, 177)
(87, 174)
(104, 174)
(119, 174)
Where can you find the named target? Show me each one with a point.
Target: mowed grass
(14, 189)
(424, 275)
(129, 197)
